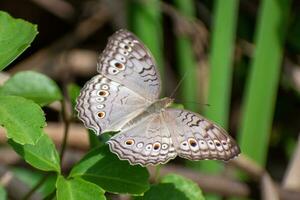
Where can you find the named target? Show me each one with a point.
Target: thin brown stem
(36, 187)
(66, 121)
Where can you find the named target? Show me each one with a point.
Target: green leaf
(15, 36)
(77, 189)
(103, 168)
(165, 191)
(32, 85)
(31, 178)
(22, 118)
(42, 155)
(177, 105)
(3, 194)
(173, 187)
(188, 187)
(73, 91)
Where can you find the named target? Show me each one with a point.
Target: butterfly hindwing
(198, 138)
(145, 142)
(104, 105)
(126, 60)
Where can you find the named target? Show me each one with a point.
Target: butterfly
(124, 98)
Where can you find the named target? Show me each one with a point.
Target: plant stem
(36, 187)
(66, 121)
(157, 173)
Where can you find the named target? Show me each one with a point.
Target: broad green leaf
(22, 118)
(42, 155)
(15, 36)
(104, 168)
(32, 85)
(188, 187)
(31, 178)
(77, 188)
(3, 194)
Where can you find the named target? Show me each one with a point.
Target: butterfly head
(165, 102)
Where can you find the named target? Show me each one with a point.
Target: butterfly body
(124, 98)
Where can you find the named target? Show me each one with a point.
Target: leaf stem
(66, 121)
(157, 173)
(36, 187)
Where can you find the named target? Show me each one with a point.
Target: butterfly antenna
(178, 85)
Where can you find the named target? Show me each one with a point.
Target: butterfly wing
(126, 60)
(197, 138)
(145, 142)
(105, 105)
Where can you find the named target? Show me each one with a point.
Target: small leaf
(22, 118)
(165, 191)
(177, 105)
(78, 188)
(186, 186)
(3, 194)
(32, 85)
(15, 36)
(31, 178)
(103, 168)
(73, 91)
(42, 155)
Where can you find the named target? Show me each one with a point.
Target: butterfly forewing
(126, 60)
(104, 105)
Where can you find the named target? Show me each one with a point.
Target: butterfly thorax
(155, 107)
(159, 105)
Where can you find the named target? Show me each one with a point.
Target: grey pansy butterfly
(124, 98)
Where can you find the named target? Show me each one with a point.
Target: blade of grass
(220, 77)
(145, 21)
(262, 85)
(186, 58)
(223, 36)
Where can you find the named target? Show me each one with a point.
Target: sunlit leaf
(42, 155)
(15, 36)
(78, 189)
(32, 85)
(22, 118)
(188, 187)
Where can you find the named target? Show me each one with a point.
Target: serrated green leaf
(22, 118)
(188, 187)
(15, 36)
(103, 168)
(31, 178)
(3, 194)
(77, 188)
(42, 155)
(32, 85)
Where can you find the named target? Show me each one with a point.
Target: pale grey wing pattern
(145, 142)
(197, 138)
(127, 61)
(105, 105)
